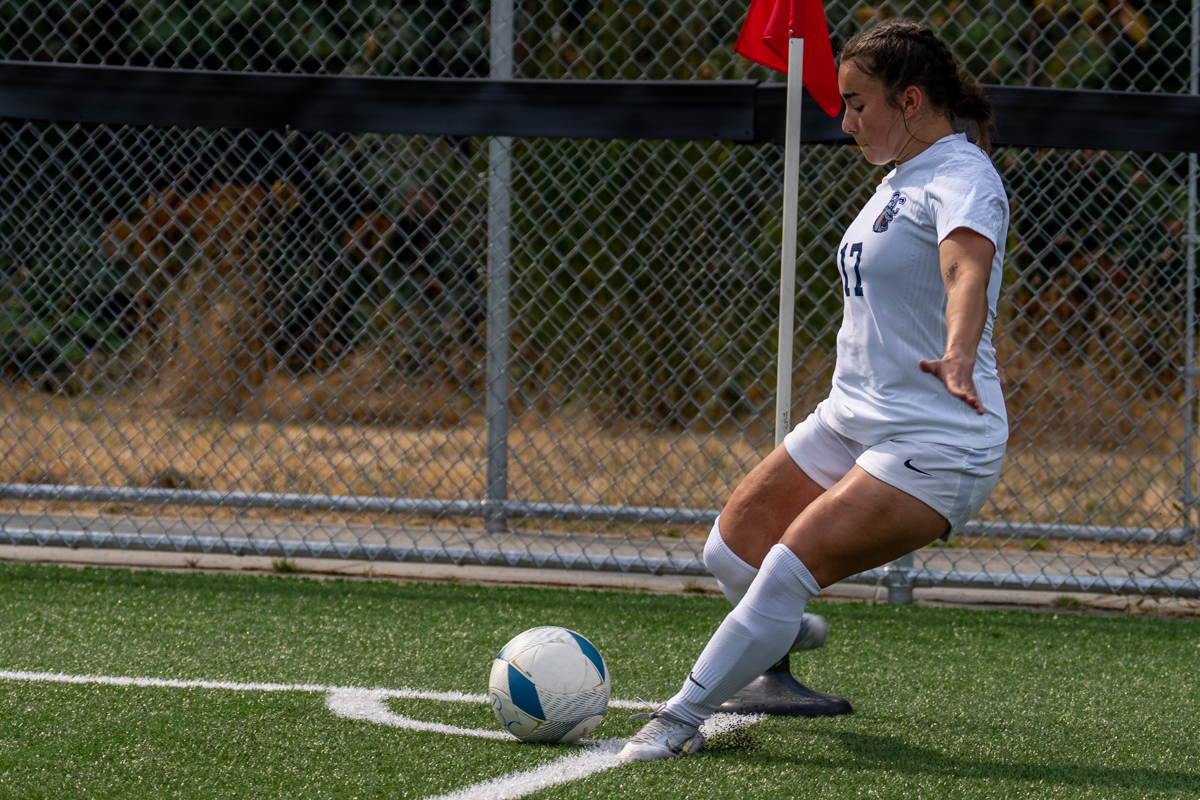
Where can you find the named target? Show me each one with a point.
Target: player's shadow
(894, 755)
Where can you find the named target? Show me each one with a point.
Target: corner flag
(774, 34)
(764, 40)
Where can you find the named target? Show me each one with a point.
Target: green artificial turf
(948, 702)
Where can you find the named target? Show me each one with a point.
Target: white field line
(573, 767)
(370, 705)
(171, 683)
(595, 757)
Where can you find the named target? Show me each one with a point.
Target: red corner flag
(764, 40)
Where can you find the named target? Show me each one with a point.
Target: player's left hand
(957, 373)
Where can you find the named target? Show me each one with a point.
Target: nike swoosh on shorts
(914, 469)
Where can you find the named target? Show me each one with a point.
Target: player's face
(876, 125)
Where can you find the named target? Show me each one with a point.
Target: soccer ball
(549, 685)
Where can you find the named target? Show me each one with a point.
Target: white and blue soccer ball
(549, 685)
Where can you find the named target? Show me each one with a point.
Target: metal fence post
(498, 282)
(899, 581)
(1191, 372)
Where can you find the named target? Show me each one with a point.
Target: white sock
(733, 575)
(756, 634)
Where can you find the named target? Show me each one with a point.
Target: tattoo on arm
(951, 273)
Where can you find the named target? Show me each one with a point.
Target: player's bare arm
(966, 258)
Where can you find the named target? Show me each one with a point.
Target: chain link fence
(301, 344)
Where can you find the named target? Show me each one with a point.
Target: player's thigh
(859, 524)
(764, 504)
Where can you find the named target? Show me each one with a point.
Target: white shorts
(954, 481)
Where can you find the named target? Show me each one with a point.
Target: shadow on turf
(894, 755)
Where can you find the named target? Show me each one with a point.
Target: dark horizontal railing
(736, 111)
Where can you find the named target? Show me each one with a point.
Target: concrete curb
(594, 581)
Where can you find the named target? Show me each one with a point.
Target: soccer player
(908, 445)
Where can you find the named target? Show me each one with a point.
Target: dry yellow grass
(554, 459)
(1092, 443)
(1088, 486)
(120, 445)
(219, 368)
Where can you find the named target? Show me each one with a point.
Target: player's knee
(712, 549)
(733, 575)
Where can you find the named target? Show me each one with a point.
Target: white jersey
(890, 275)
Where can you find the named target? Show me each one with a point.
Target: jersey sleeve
(967, 193)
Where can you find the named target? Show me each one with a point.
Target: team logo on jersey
(889, 213)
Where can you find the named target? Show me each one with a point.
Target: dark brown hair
(902, 52)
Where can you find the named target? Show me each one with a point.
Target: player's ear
(911, 101)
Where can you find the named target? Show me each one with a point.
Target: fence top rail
(736, 111)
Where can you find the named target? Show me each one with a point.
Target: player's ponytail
(902, 52)
(973, 107)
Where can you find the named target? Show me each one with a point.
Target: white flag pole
(787, 272)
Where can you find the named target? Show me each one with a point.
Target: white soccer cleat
(662, 737)
(813, 631)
